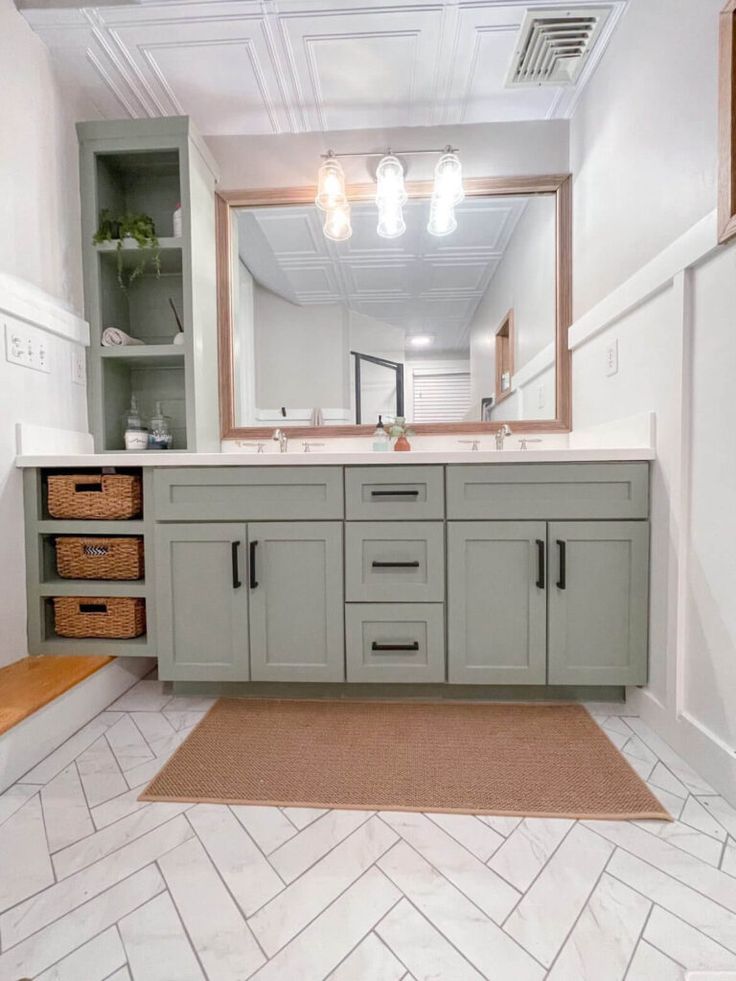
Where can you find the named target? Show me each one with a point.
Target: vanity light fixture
(331, 185)
(442, 220)
(448, 178)
(421, 340)
(337, 225)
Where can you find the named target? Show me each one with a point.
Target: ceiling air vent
(554, 44)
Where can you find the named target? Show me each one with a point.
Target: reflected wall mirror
(456, 333)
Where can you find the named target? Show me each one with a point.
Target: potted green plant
(135, 227)
(399, 430)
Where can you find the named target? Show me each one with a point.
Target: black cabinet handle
(540, 564)
(253, 580)
(395, 647)
(395, 565)
(236, 572)
(394, 493)
(562, 581)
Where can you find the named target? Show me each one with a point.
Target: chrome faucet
(283, 440)
(501, 435)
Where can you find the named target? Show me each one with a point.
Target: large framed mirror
(456, 333)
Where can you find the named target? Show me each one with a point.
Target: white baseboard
(26, 744)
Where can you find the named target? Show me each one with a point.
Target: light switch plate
(26, 346)
(79, 366)
(611, 358)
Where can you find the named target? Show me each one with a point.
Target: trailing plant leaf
(139, 227)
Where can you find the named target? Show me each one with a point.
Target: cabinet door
(296, 601)
(202, 602)
(598, 602)
(497, 602)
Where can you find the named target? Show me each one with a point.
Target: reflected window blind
(441, 396)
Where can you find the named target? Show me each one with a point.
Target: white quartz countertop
(296, 458)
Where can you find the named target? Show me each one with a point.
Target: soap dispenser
(160, 436)
(136, 434)
(381, 440)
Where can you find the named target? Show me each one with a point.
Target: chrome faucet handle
(473, 443)
(528, 439)
(260, 447)
(308, 446)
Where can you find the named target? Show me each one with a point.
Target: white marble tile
(100, 773)
(300, 817)
(267, 826)
(694, 783)
(728, 862)
(650, 964)
(248, 875)
(639, 750)
(216, 927)
(722, 811)
(156, 944)
(66, 754)
(190, 703)
(118, 807)
(503, 825)
(146, 696)
(688, 839)
(94, 961)
(422, 948)
(115, 836)
(697, 910)
(480, 884)
(319, 948)
(525, 852)
(65, 810)
(52, 943)
(619, 739)
(122, 975)
(675, 862)
(475, 835)
(14, 798)
(666, 780)
(34, 913)
(671, 803)
(109, 718)
(491, 951)
(609, 709)
(25, 866)
(615, 723)
(549, 909)
(154, 727)
(639, 766)
(370, 961)
(318, 838)
(140, 775)
(184, 720)
(127, 743)
(605, 935)
(686, 945)
(299, 903)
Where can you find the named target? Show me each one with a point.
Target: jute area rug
(506, 759)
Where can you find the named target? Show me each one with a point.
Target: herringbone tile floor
(95, 885)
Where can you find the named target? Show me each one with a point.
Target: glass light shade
(390, 181)
(442, 219)
(448, 179)
(391, 222)
(337, 225)
(331, 186)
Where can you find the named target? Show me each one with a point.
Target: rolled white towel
(114, 337)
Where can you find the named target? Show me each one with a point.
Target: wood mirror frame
(558, 184)
(727, 124)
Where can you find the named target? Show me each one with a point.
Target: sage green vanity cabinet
(395, 642)
(497, 602)
(202, 602)
(598, 602)
(400, 562)
(296, 601)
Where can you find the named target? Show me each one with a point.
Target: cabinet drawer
(396, 493)
(395, 642)
(548, 490)
(390, 562)
(247, 493)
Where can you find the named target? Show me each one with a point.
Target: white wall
(39, 242)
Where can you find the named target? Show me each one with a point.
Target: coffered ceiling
(417, 282)
(292, 66)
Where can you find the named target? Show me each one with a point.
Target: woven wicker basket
(99, 558)
(89, 496)
(91, 616)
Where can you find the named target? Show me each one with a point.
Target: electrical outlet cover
(611, 358)
(79, 372)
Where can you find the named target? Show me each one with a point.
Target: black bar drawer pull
(381, 648)
(253, 580)
(395, 565)
(562, 581)
(540, 564)
(93, 607)
(236, 572)
(394, 493)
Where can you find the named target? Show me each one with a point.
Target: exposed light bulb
(337, 225)
(442, 219)
(391, 222)
(390, 181)
(331, 186)
(448, 179)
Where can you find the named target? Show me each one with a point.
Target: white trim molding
(27, 302)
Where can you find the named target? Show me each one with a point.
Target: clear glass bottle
(160, 436)
(381, 441)
(135, 433)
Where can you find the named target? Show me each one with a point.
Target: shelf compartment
(51, 643)
(160, 355)
(150, 380)
(140, 181)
